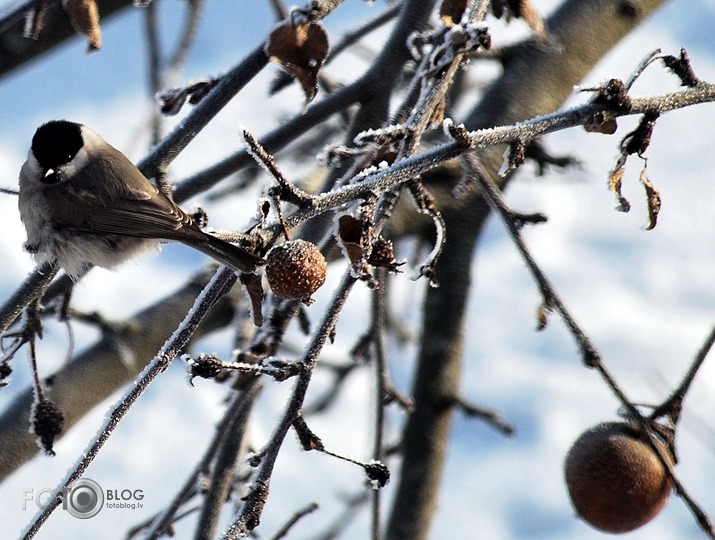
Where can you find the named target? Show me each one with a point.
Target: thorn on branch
(682, 68)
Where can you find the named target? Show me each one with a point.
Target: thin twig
(379, 300)
(160, 523)
(249, 516)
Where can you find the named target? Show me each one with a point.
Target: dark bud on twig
(383, 255)
(523, 9)
(682, 68)
(613, 95)
(601, 122)
(206, 367)
(46, 421)
(378, 473)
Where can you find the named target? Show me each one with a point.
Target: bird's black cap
(56, 143)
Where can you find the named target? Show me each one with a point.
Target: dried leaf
(254, 288)
(451, 11)
(85, 18)
(350, 232)
(301, 49)
(653, 198)
(616, 181)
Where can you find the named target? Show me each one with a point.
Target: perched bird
(84, 203)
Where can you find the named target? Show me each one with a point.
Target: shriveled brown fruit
(614, 478)
(295, 269)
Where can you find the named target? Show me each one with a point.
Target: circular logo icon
(84, 499)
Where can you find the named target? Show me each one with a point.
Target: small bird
(83, 204)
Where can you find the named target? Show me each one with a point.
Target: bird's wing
(156, 217)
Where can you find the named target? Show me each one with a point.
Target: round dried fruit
(295, 269)
(615, 480)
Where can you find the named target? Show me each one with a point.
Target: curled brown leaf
(301, 49)
(85, 18)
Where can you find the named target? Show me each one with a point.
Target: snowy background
(646, 298)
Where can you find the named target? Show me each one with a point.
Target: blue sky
(646, 298)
